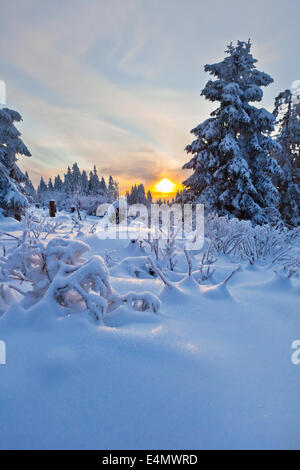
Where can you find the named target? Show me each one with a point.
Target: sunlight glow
(165, 186)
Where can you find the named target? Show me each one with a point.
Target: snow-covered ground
(211, 369)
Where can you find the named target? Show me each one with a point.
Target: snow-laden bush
(169, 253)
(206, 267)
(290, 266)
(230, 236)
(57, 272)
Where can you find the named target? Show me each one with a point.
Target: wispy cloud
(113, 84)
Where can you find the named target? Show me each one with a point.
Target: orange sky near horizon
(152, 186)
(176, 177)
(162, 188)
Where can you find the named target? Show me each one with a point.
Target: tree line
(76, 183)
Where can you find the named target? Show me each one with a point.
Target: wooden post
(52, 208)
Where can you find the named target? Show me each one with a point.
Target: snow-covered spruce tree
(94, 183)
(29, 188)
(103, 188)
(76, 179)
(68, 181)
(112, 189)
(149, 197)
(13, 198)
(58, 184)
(84, 183)
(136, 195)
(50, 185)
(42, 190)
(232, 154)
(131, 195)
(141, 196)
(288, 157)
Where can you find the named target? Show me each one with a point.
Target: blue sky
(117, 83)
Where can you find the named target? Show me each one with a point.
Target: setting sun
(165, 186)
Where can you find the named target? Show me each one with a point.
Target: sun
(165, 186)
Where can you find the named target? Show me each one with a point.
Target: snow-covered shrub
(205, 269)
(169, 253)
(78, 224)
(40, 227)
(293, 236)
(57, 272)
(287, 263)
(242, 240)
(290, 266)
(154, 245)
(262, 243)
(71, 284)
(224, 232)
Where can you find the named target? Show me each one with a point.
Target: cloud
(79, 125)
(98, 82)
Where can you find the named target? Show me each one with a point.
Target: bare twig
(159, 272)
(231, 274)
(189, 261)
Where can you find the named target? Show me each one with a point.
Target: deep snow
(211, 370)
